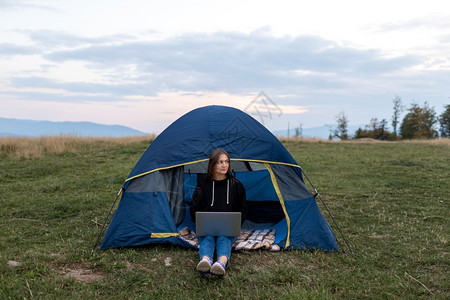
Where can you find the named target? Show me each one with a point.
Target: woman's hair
(213, 160)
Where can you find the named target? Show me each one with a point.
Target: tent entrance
(264, 207)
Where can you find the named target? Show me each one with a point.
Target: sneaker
(204, 266)
(218, 269)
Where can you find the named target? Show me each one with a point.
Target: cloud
(226, 52)
(7, 49)
(51, 39)
(226, 61)
(445, 39)
(433, 21)
(22, 4)
(77, 91)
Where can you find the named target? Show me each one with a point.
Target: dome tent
(154, 201)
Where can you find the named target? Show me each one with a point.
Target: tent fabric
(196, 134)
(154, 205)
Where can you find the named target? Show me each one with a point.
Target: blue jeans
(222, 245)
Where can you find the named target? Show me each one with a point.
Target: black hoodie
(229, 195)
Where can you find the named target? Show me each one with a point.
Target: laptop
(218, 223)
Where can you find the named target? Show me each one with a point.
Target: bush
(419, 123)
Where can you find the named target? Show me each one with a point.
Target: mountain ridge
(11, 127)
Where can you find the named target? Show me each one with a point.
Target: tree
(444, 119)
(299, 130)
(375, 130)
(341, 130)
(382, 133)
(398, 109)
(419, 122)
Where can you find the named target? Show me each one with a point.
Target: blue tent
(153, 206)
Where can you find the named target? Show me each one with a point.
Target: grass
(390, 199)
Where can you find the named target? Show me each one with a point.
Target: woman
(219, 191)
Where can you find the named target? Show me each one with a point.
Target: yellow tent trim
(277, 190)
(160, 235)
(206, 159)
(165, 168)
(265, 162)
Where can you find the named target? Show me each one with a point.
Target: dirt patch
(82, 275)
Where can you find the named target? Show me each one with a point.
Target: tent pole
(106, 219)
(329, 212)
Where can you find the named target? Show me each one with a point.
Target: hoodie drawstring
(228, 191)
(212, 202)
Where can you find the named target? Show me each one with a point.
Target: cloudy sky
(144, 63)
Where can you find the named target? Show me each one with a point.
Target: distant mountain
(31, 128)
(322, 132)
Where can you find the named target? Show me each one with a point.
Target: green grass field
(390, 199)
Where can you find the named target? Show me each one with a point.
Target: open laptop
(218, 223)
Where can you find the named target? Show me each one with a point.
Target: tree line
(420, 122)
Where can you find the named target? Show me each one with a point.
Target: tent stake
(329, 212)
(106, 219)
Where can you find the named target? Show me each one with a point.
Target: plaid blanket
(248, 240)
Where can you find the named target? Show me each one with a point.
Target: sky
(145, 63)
